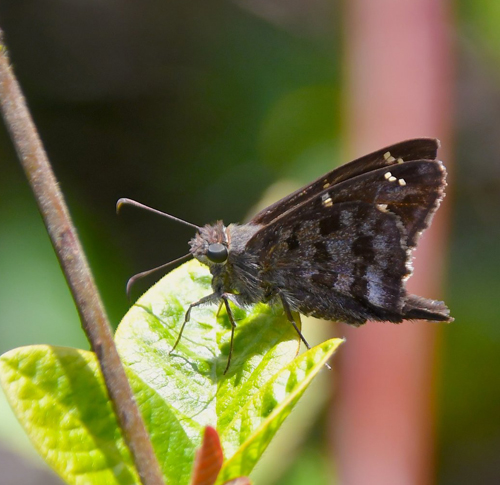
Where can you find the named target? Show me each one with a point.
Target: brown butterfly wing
(344, 253)
(415, 149)
(412, 191)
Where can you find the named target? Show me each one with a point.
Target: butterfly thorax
(239, 272)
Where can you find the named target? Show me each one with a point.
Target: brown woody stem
(76, 270)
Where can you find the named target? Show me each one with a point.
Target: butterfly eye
(217, 253)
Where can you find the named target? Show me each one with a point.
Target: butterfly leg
(225, 298)
(221, 304)
(201, 301)
(289, 316)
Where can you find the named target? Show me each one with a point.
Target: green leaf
(59, 396)
(60, 399)
(254, 425)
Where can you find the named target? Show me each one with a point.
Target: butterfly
(337, 249)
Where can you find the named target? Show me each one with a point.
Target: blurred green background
(197, 108)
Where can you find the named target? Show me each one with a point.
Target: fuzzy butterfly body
(338, 248)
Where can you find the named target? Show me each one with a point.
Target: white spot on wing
(402, 182)
(327, 200)
(389, 158)
(392, 179)
(387, 175)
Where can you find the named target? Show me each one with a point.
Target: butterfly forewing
(415, 149)
(411, 190)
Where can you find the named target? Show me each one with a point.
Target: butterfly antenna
(138, 276)
(124, 201)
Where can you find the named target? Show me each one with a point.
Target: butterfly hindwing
(342, 261)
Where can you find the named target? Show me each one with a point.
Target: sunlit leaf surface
(59, 396)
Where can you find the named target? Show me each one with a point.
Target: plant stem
(76, 270)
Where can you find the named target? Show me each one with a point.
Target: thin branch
(74, 265)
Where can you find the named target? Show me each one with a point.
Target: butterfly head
(210, 245)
